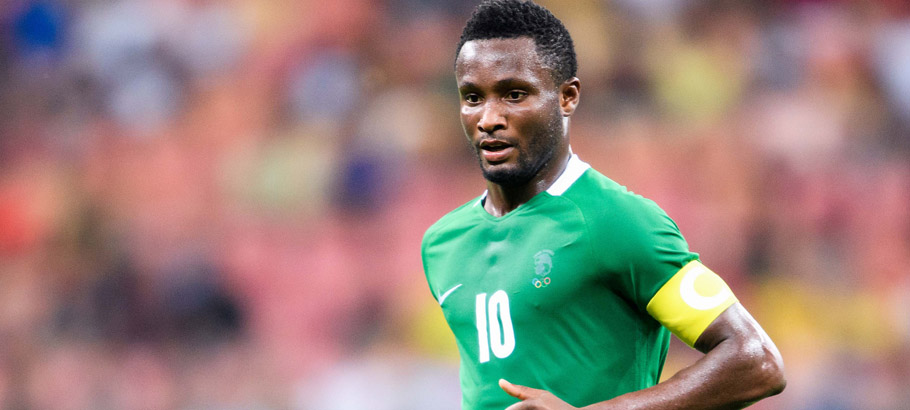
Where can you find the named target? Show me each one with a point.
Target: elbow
(766, 368)
(772, 374)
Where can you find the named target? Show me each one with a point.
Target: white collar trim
(574, 169)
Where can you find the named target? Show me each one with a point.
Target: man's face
(510, 108)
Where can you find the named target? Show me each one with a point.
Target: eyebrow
(499, 84)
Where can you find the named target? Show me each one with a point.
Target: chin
(506, 175)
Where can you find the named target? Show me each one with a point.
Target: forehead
(493, 59)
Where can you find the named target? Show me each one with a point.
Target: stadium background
(218, 204)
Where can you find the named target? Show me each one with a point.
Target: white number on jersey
(495, 316)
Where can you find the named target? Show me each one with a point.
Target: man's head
(515, 69)
(505, 19)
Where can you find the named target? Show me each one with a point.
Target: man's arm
(741, 366)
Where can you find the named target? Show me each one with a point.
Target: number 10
(501, 336)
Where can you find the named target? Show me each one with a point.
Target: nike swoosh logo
(448, 292)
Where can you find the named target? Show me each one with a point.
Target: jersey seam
(590, 245)
(446, 220)
(432, 233)
(641, 305)
(426, 266)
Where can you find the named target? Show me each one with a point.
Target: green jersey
(553, 295)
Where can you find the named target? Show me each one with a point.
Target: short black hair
(523, 18)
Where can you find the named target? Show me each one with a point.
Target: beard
(532, 156)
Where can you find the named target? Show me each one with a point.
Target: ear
(569, 93)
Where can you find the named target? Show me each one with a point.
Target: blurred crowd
(218, 204)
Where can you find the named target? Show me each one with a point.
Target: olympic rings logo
(538, 283)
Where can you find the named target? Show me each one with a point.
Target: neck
(504, 199)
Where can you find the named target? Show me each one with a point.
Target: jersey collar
(573, 171)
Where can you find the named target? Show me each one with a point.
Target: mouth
(495, 150)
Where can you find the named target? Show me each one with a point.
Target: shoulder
(604, 201)
(437, 238)
(631, 237)
(458, 218)
(624, 228)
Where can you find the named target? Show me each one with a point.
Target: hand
(532, 399)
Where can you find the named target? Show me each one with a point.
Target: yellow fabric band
(690, 301)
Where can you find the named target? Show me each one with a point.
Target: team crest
(543, 264)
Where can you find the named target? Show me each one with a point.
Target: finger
(522, 405)
(519, 392)
(510, 388)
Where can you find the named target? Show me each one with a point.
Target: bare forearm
(710, 383)
(735, 372)
(741, 365)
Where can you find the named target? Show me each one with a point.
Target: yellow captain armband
(690, 301)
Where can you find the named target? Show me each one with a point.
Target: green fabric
(577, 270)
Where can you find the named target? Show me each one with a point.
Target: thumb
(519, 392)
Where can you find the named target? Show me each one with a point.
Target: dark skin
(515, 115)
(509, 103)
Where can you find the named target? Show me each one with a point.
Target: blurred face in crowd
(511, 108)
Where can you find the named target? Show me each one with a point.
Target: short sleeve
(639, 246)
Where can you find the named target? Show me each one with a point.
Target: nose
(491, 118)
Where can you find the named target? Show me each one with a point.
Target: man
(557, 278)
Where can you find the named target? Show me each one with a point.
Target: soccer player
(558, 279)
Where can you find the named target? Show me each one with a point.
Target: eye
(516, 95)
(472, 98)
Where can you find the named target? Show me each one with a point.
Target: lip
(494, 153)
